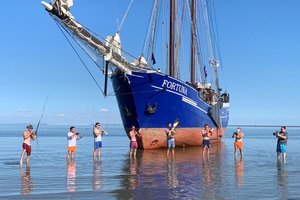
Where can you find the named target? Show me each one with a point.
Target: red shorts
(27, 148)
(133, 145)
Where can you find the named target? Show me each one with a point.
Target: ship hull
(151, 100)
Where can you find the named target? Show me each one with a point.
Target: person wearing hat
(98, 133)
(28, 135)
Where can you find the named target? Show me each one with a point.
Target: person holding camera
(238, 143)
(72, 138)
(282, 137)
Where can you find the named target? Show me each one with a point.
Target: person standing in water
(206, 132)
(170, 139)
(282, 137)
(98, 133)
(133, 134)
(28, 135)
(72, 138)
(238, 143)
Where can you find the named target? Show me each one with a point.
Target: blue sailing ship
(148, 98)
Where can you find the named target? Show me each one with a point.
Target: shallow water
(151, 175)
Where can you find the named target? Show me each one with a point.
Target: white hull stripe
(224, 116)
(156, 87)
(189, 101)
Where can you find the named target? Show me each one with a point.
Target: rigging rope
(79, 56)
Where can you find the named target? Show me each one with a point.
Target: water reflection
(186, 176)
(133, 172)
(239, 172)
(97, 182)
(71, 177)
(172, 174)
(207, 177)
(282, 176)
(26, 180)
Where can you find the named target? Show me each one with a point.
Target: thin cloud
(103, 110)
(61, 115)
(23, 110)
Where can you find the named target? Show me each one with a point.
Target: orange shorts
(238, 145)
(72, 149)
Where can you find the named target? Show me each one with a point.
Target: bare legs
(132, 152)
(173, 152)
(97, 152)
(22, 155)
(283, 156)
(235, 152)
(71, 155)
(205, 151)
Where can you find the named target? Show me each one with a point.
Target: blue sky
(260, 44)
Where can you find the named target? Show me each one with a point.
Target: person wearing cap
(133, 134)
(28, 135)
(282, 137)
(98, 133)
(72, 138)
(238, 142)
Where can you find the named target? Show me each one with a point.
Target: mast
(151, 42)
(172, 30)
(193, 32)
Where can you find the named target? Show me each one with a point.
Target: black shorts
(206, 143)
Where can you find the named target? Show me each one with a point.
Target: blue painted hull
(169, 98)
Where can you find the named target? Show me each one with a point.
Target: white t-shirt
(71, 141)
(99, 138)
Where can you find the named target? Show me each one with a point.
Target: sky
(259, 41)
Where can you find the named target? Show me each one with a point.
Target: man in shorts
(98, 133)
(28, 135)
(238, 143)
(72, 137)
(170, 131)
(133, 134)
(282, 137)
(206, 132)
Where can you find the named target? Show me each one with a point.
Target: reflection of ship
(26, 180)
(152, 174)
(148, 98)
(71, 177)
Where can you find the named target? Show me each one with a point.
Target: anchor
(128, 113)
(151, 109)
